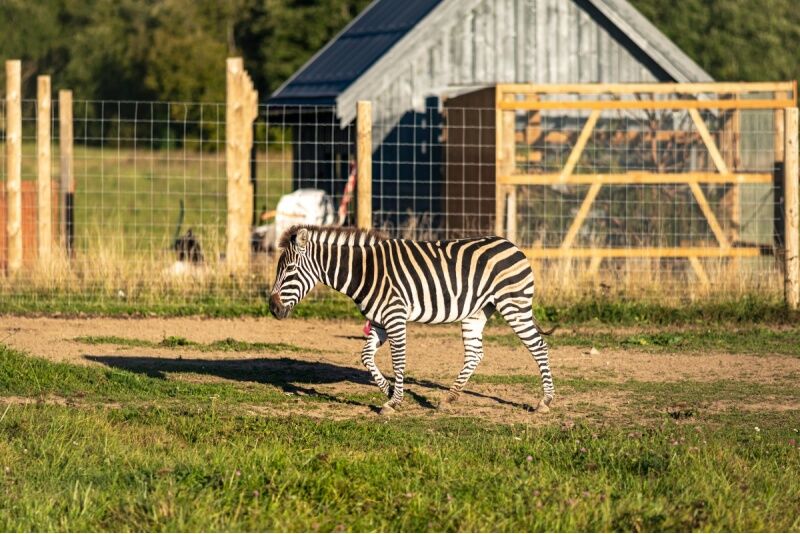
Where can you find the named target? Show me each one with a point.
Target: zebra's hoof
(542, 407)
(387, 409)
(446, 404)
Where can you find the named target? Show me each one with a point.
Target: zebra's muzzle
(276, 307)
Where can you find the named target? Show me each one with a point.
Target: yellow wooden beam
(645, 104)
(594, 265)
(580, 144)
(702, 129)
(638, 178)
(709, 214)
(698, 269)
(581, 215)
(655, 88)
(645, 252)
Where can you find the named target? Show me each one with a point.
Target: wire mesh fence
(149, 209)
(669, 202)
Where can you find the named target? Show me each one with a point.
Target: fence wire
(150, 197)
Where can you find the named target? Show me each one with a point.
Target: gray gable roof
(348, 55)
(403, 50)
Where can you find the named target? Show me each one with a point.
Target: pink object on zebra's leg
(367, 328)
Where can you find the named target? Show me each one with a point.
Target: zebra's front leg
(472, 336)
(377, 336)
(396, 332)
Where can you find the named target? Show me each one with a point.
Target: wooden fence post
(241, 110)
(364, 161)
(44, 213)
(67, 182)
(14, 165)
(792, 211)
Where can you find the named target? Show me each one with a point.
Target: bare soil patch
(330, 364)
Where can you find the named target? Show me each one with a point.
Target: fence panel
(627, 198)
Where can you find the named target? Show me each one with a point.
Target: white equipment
(304, 206)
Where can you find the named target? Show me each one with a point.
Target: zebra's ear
(302, 237)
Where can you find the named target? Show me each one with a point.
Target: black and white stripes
(395, 281)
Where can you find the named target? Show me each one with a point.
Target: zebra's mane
(333, 234)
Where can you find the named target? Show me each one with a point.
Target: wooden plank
(504, 164)
(507, 165)
(500, 204)
(44, 212)
(711, 145)
(698, 269)
(511, 214)
(13, 136)
(780, 137)
(580, 144)
(594, 265)
(523, 105)
(645, 252)
(792, 213)
(248, 210)
(638, 178)
(238, 120)
(364, 162)
(586, 205)
(66, 169)
(654, 88)
(709, 214)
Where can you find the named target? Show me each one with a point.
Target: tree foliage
(175, 49)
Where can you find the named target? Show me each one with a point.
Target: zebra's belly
(445, 315)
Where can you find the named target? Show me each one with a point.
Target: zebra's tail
(540, 329)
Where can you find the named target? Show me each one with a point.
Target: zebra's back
(446, 281)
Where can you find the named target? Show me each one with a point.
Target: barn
(411, 57)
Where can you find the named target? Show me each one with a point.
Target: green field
(96, 448)
(130, 198)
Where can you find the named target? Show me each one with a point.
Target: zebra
(396, 281)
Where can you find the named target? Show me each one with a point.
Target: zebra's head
(295, 275)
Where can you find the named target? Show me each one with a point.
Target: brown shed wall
(470, 163)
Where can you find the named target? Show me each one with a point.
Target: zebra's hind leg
(518, 314)
(396, 331)
(377, 336)
(472, 335)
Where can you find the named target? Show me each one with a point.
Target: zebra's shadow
(288, 374)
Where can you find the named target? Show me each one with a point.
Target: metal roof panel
(363, 42)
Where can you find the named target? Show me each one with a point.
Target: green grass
(172, 456)
(649, 395)
(157, 469)
(331, 306)
(735, 340)
(33, 377)
(170, 342)
(133, 195)
(746, 311)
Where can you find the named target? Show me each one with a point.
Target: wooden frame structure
(13, 185)
(593, 99)
(241, 109)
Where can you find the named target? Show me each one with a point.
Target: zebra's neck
(344, 257)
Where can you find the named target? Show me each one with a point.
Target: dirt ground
(329, 363)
